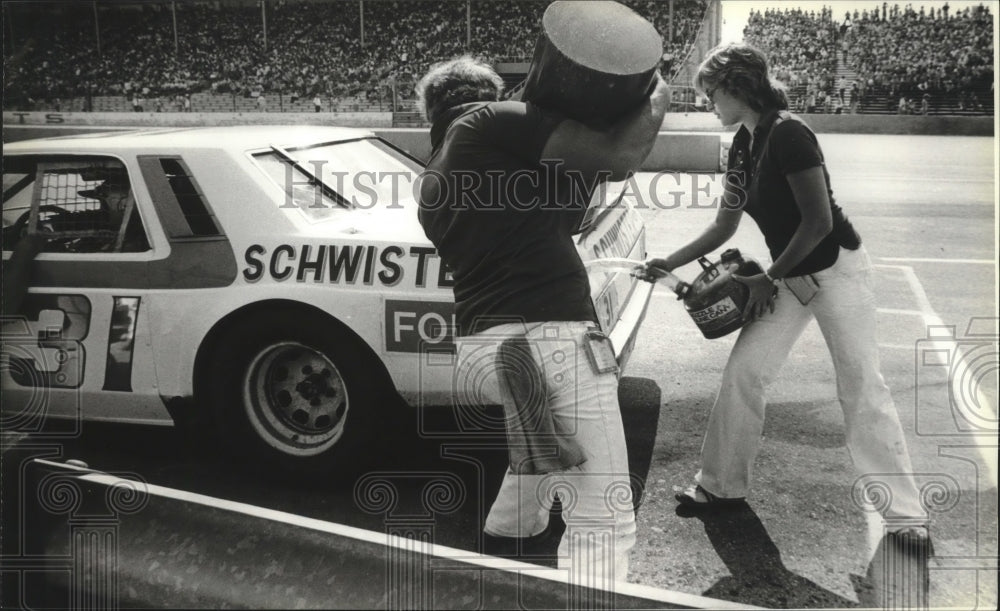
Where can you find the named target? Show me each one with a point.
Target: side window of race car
(182, 206)
(17, 189)
(78, 204)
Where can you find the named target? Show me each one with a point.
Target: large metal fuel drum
(594, 60)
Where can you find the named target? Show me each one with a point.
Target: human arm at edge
(17, 272)
(718, 232)
(620, 148)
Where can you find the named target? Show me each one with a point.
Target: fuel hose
(622, 264)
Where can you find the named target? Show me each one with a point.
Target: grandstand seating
(898, 52)
(223, 56)
(310, 47)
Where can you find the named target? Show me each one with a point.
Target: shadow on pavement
(421, 459)
(757, 574)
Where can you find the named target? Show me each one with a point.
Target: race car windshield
(364, 174)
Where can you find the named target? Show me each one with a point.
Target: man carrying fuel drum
(497, 201)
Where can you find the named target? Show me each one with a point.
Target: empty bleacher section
(893, 60)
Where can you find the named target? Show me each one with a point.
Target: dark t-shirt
(503, 221)
(783, 145)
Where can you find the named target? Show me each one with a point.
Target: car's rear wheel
(295, 398)
(294, 392)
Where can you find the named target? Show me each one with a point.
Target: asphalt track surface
(925, 207)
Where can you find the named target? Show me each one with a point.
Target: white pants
(595, 496)
(844, 307)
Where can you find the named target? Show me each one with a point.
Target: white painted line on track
(943, 338)
(907, 347)
(935, 180)
(899, 312)
(937, 260)
(395, 541)
(926, 310)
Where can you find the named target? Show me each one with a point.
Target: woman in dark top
(820, 270)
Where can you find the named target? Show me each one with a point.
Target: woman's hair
(457, 81)
(741, 70)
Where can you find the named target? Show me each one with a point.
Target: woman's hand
(653, 269)
(762, 295)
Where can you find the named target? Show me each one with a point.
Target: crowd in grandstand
(801, 48)
(687, 19)
(919, 60)
(888, 59)
(296, 48)
(506, 31)
(156, 54)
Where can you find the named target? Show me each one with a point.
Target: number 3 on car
(269, 282)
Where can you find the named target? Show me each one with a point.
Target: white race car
(273, 278)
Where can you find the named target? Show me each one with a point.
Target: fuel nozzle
(637, 268)
(731, 255)
(675, 284)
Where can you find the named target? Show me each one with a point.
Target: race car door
(75, 249)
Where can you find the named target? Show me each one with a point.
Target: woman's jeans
(595, 496)
(844, 308)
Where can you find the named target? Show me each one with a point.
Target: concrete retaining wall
(673, 122)
(680, 151)
(690, 142)
(685, 152)
(854, 124)
(191, 119)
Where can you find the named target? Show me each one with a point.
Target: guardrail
(99, 540)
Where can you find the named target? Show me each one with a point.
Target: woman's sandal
(693, 498)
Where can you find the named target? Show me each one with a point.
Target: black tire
(293, 393)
